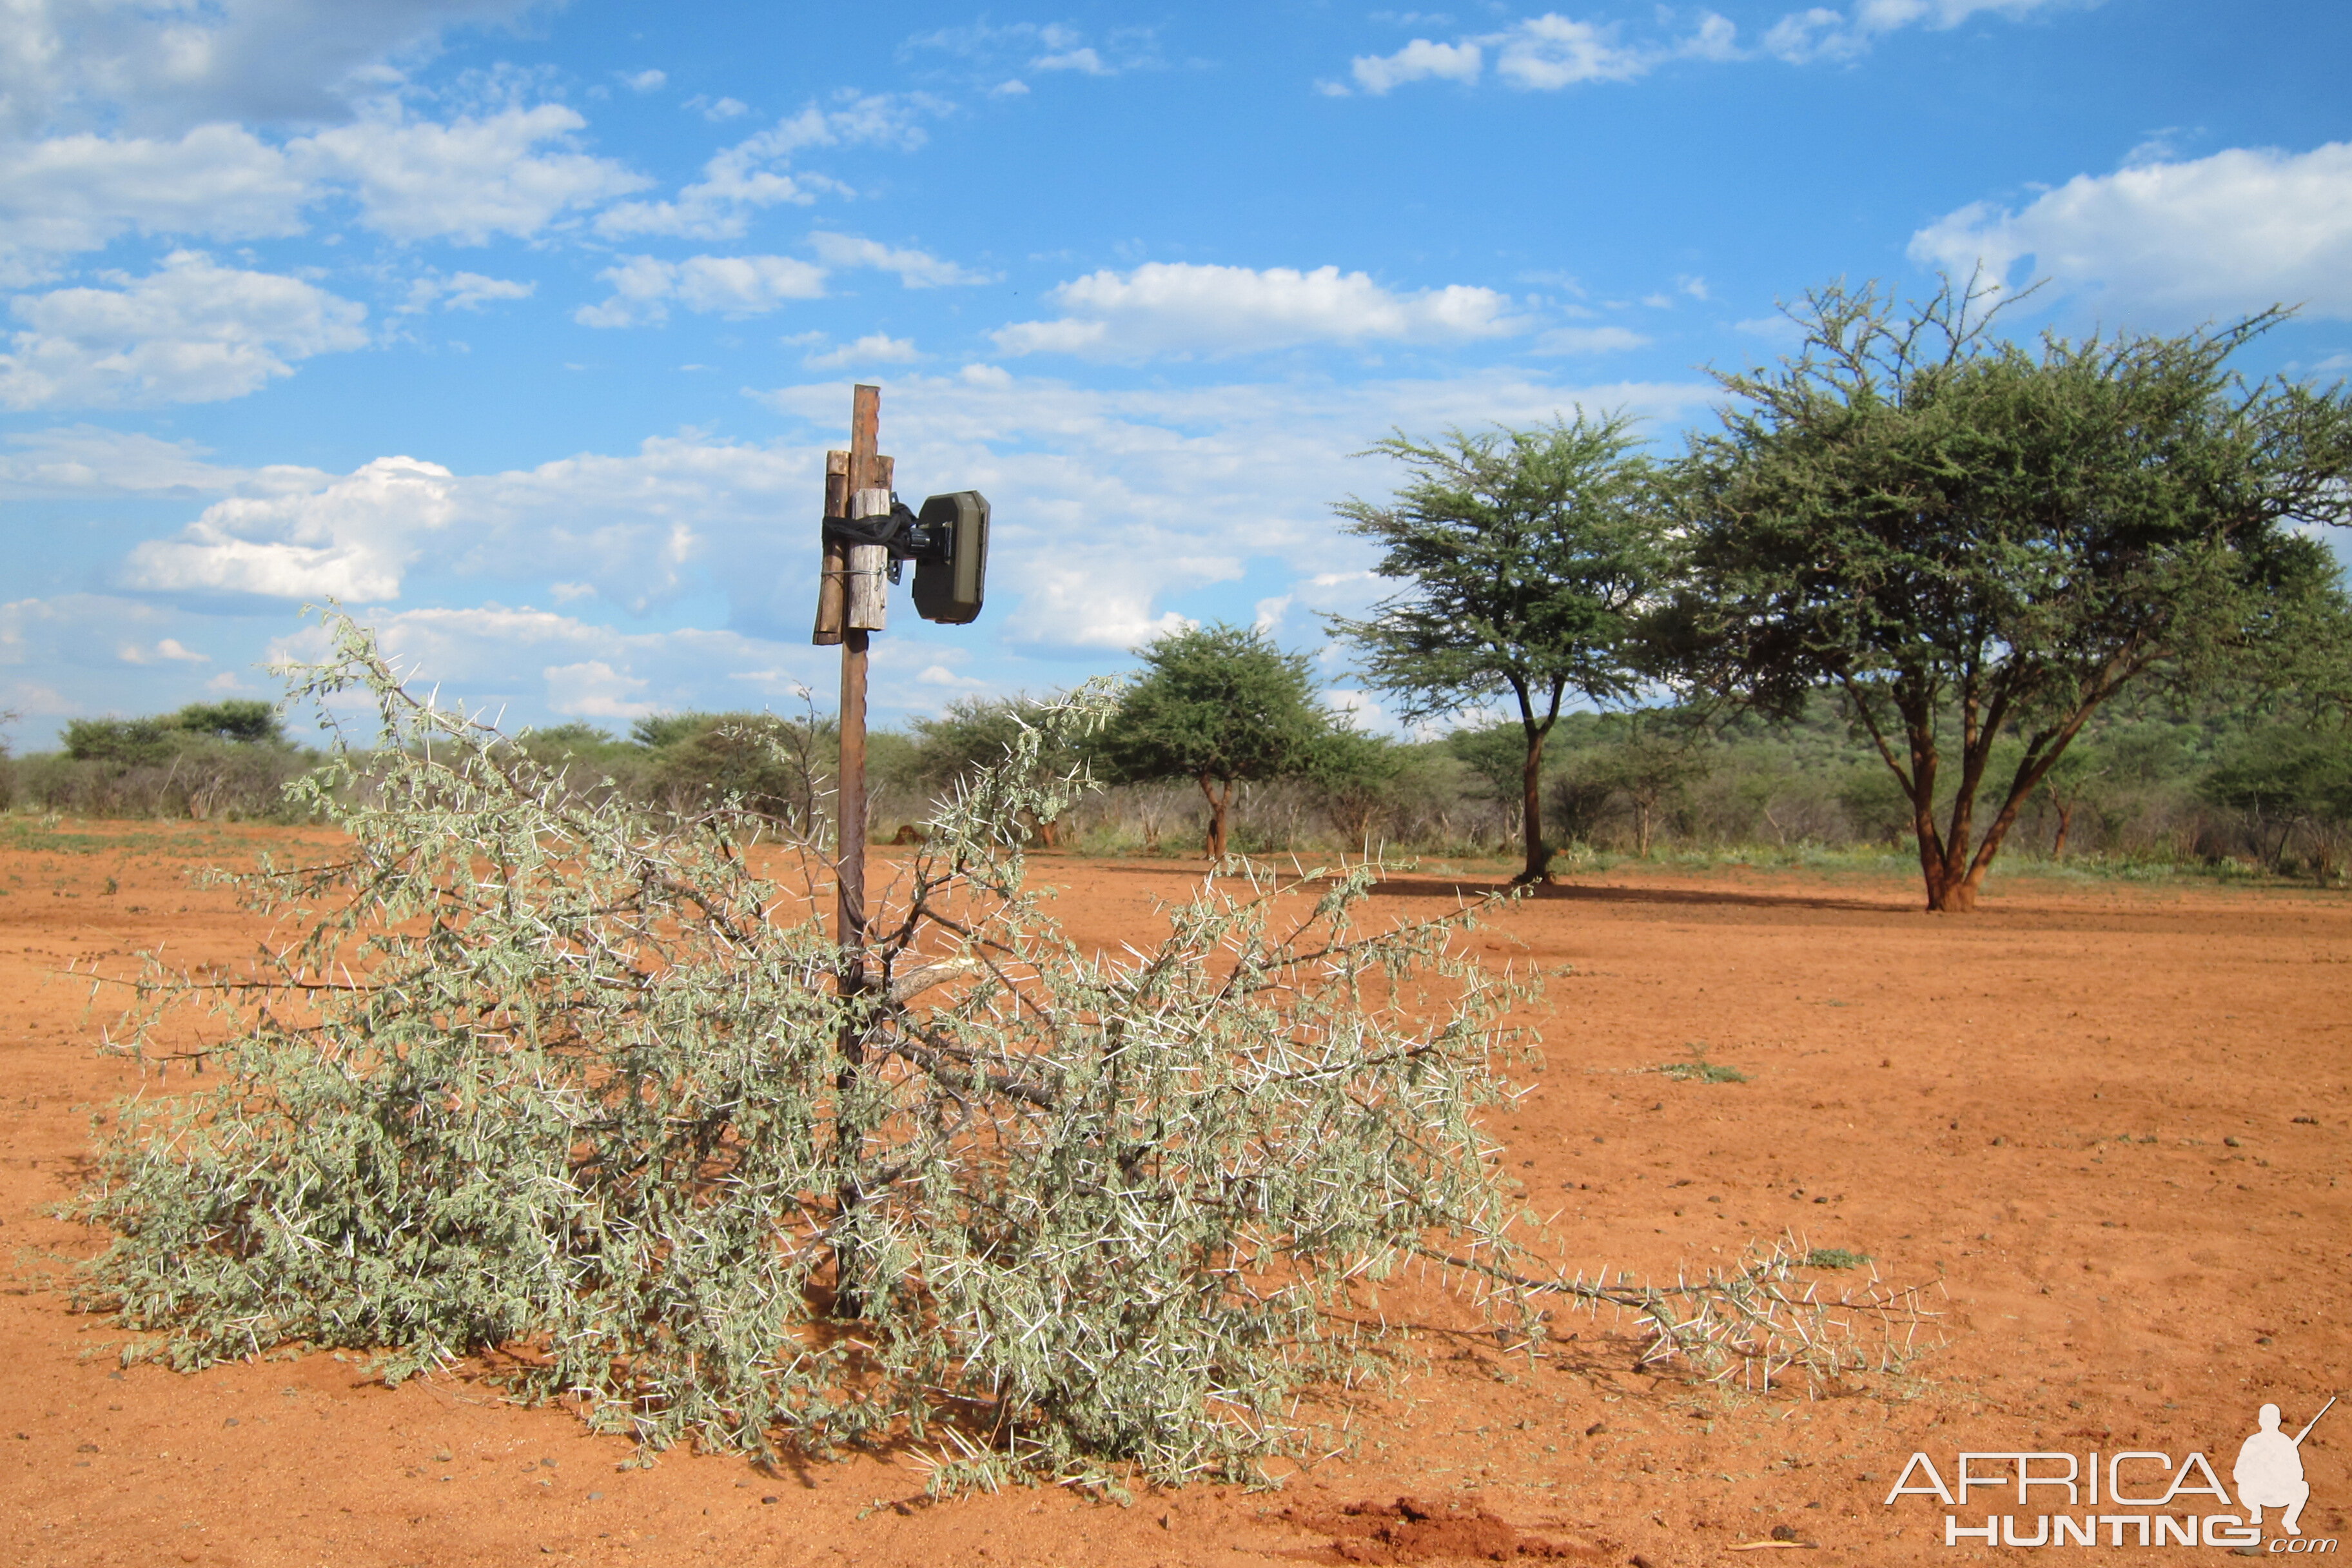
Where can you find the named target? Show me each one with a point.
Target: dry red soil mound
(2106, 1124)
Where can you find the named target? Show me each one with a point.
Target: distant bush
(210, 761)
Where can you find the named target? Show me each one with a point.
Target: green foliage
(547, 1074)
(242, 721)
(1357, 776)
(1977, 543)
(1699, 1069)
(773, 767)
(1530, 556)
(1834, 1257)
(145, 742)
(1220, 705)
(554, 1076)
(2289, 777)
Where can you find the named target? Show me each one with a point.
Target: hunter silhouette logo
(2269, 1471)
(2163, 1496)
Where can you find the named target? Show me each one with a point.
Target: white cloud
(350, 539)
(464, 291)
(1082, 59)
(592, 689)
(191, 332)
(1183, 308)
(1821, 32)
(2240, 230)
(85, 461)
(875, 348)
(646, 80)
(756, 173)
(78, 193)
(513, 172)
(501, 657)
(735, 286)
(1045, 46)
(915, 269)
(1588, 340)
(167, 65)
(1550, 52)
(1107, 503)
(723, 109)
(167, 650)
(1418, 61)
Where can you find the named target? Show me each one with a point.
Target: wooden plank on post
(828, 583)
(866, 606)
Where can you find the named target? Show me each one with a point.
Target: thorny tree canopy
(1969, 538)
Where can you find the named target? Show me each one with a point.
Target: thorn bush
(531, 1074)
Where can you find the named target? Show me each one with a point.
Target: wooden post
(867, 470)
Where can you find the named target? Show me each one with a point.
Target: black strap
(882, 529)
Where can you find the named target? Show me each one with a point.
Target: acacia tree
(1220, 705)
(1531, 555)
(1973, 540)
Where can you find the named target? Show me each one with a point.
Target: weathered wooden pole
(851, 605)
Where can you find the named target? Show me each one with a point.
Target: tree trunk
(1217, 805)
(1537, 871)
(2065, 822)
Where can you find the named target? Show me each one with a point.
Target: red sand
(2030, 1105)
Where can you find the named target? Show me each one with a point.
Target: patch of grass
(1832, 1258)
(1699, 1069)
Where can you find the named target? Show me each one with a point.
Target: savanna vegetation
(558, 1061)
(1923, 589)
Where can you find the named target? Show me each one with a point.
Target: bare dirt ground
(2111, 1122)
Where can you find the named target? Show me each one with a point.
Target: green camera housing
(952, 577)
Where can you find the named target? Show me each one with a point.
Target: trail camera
(951, 572)
(947, 540)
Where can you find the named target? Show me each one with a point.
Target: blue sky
(521, 329)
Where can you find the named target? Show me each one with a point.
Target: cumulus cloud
(1183, 308)
(592, 689)
(168, 650)
(1588, 340)
(350, 539)
(192, 331)
(646, 80)
(644, 286)
(1546, 53)
(88, 461)
(165, 67)
(1821, 32)
(518, 661)
(1419, 61)
(1540, 54)
(511, 173)
(916, 268)
(2240, 230)
(464, 291)
(875, 348)
(1045, 46)
(1107, 503)
(756, 172)
(1550, 52)
(79, 192)
(735, 286)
